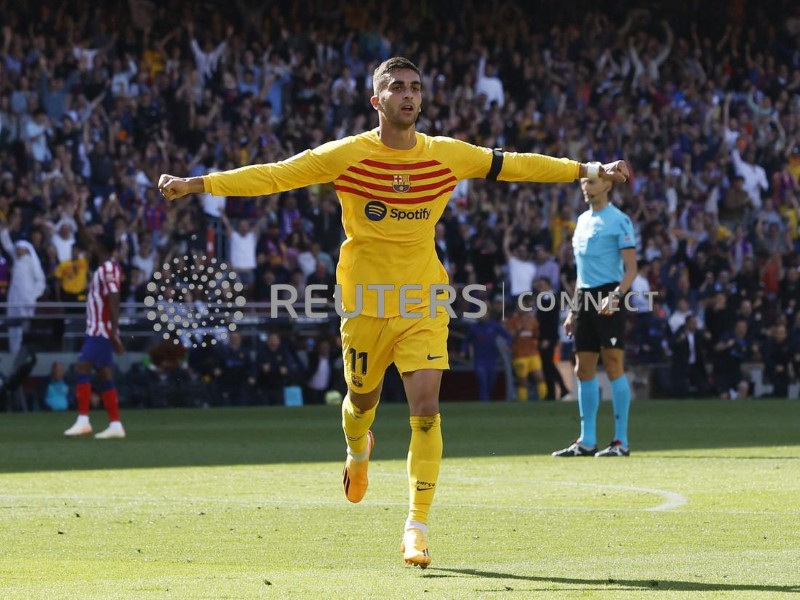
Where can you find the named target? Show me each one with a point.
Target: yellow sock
(424, 458)
(356, 423)
(541, 389)
(522, 393)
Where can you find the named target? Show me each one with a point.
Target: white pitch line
(7, 503)
(672, 500)
(197, 503)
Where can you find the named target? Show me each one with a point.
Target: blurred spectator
(549, 321)
(640, 290)
(73, 277)
(718, 317)
(778, 359)
(134, 290)
(740, 248)
(789, 292)
(308, 259)
(234, 373)
(166, 357)
(488, 84)
(480, 344)
(37, 132)
(754, 176)
(690, 347)
(243, 248)
(57, 393)
(321, 276)
(678, 317)
(203, 359)
(650, 335)
(732, 351)
(27, 285)
(546, 267)
(145, 260)
(273, 369)
(319, 374)
(208, 57)
(521, 269)
(64, 240)
(5, 278)
(526, 359)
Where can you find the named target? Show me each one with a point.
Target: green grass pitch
(247, 503)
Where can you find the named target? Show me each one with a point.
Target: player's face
(594, 190)
(401, 100)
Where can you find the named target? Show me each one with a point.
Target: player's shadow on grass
(621, 584)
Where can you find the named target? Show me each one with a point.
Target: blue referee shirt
(597, 242)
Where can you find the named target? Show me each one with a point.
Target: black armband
(497, 165)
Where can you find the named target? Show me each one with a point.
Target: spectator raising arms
(707, 111)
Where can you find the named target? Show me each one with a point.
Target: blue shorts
(98, 351)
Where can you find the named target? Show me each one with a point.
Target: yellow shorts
(370, 345)
(525, 365)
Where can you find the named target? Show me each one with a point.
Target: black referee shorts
(594, 331)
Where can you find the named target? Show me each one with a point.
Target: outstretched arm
(547, 169)
(320, 165)
(474, 162)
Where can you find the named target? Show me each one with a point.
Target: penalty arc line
(672, 500)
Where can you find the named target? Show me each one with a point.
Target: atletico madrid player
(102, 336)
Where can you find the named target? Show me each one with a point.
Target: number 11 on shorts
(356, 356)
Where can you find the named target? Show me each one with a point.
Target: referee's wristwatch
(616, 293)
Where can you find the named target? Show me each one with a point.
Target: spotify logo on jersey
(375, 210)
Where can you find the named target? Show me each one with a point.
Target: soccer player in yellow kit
(394, 184)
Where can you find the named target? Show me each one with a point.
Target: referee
(605, 254)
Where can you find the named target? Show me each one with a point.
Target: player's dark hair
(382, 74)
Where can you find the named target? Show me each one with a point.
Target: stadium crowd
(97, 100)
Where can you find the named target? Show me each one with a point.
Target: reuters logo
(375, 210)
(195, 301)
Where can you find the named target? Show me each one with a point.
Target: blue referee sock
(621, 399)
(588, 402)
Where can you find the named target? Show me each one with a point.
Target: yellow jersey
(391, 201)
(73, 275)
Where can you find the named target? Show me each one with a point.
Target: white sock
(416, 525)
(360, 456)
(115, 425)
(82, 420)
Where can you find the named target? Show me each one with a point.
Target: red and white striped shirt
(105, 281)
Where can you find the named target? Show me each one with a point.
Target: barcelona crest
(401, 183)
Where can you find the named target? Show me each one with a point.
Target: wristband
(593, 171)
